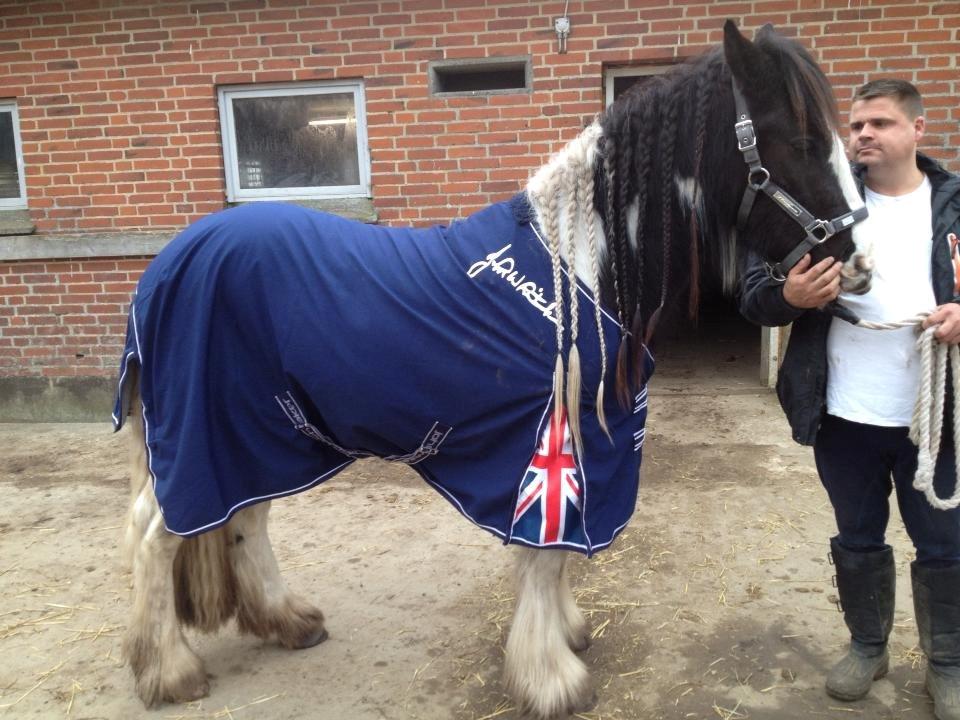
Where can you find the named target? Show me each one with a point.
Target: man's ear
(919, 126)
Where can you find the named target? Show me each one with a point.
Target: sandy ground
(715, 603)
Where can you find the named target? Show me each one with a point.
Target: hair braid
(585, 193)
(627, 242)
(641, 171)
(702, 94)
(668, 138)
(610, 225)
(569, 191)
(625, 264)
(570, 195)
(552, 229)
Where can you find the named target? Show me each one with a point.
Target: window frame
(17, 203)
(437, 68)
(610, 73)
(235, 193)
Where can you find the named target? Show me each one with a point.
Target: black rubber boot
(936, 599)
(866, 583)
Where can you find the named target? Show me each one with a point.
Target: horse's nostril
(856, 283)
(857, 274)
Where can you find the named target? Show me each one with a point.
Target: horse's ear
(745, 59)
(766, 32)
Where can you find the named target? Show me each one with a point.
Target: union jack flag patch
(550, 503)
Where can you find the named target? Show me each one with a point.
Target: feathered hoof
(590, 703)
(187, 689)
(561, 691)
(300, 625)
(578, 707)
(180, 678)
(587, 703)
(580, 640)
(315, 639)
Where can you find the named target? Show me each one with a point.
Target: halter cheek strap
(758, 180)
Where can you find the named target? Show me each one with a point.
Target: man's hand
(948, 318)
(811, 287)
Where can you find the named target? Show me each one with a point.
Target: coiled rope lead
(926, 425)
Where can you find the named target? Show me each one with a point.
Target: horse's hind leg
(164, 666)
(265, 607)
(542, 672)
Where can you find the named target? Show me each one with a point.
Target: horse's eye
(805, 145)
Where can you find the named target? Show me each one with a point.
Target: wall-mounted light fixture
(562, 26)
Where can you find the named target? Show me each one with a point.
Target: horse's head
(791, 159)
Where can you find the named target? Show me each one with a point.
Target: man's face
(882, 134)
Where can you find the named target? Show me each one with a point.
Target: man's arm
(765, 301)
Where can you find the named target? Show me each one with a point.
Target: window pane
(9, 175)
(622, 83)
(296, 141)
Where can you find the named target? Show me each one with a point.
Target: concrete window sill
(26, 246)
(16, 222)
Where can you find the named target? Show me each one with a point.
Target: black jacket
(802, 381)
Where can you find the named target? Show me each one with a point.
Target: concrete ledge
(22, 246)
(94, 245)
(71, 399)
(16, 222)
(361, 209)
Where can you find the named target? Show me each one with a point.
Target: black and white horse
(735, 151)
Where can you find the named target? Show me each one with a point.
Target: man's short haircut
(903, 93)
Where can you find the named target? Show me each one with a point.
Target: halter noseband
(758, 178)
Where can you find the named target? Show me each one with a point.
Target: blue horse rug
(275, 345)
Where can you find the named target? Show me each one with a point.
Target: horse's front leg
(543, 674)
(164, 666)
(575, 625)
(265, 607)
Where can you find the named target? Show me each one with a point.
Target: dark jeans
(860, 464)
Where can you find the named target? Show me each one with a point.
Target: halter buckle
(746, 137)
(820, 230)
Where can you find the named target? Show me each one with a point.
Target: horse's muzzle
(856, 275)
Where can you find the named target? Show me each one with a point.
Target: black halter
(758, 178)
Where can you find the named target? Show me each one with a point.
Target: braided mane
(646, 170)
(641, 159)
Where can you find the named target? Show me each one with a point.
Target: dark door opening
(719, 351)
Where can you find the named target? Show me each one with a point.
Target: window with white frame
(617, 80)
(288, 141)
(13, 192)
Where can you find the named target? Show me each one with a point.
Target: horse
(483, 366)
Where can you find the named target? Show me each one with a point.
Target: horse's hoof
(585, 704)
(185, 689)
(314, 638)
(195, 692)
(575, 703)
(581, 641)
(189, 686)
(179, 678)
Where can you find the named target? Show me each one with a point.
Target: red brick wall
(63, 318)
(118, 111)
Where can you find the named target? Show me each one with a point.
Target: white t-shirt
(873, 375)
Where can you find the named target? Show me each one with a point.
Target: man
(849, 392)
